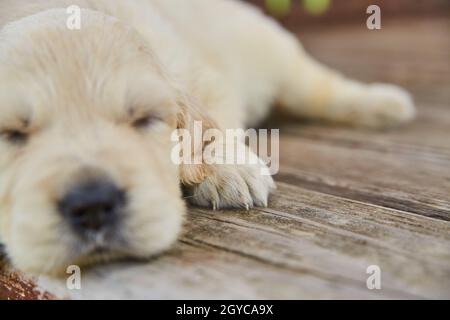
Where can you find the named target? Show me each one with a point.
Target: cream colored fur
(76, 93)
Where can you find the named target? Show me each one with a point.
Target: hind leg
(312, 90)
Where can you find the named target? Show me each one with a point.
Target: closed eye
(16, 137)
(145, 121)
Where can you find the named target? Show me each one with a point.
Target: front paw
(232, 186)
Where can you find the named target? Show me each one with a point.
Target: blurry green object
(278, 7)
(316, 7)
(281, 8)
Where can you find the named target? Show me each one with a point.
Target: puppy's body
(217, 61)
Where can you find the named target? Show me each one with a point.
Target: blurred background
(312, 12)
(412, 48)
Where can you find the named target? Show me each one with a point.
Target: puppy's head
(85, 123)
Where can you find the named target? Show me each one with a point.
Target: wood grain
(305, 245)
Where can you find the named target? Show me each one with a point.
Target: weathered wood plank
(306, 245)
(196, 270)
(425, 139)
(374, 177)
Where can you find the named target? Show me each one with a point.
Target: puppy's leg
(230, 175)
(312, 90)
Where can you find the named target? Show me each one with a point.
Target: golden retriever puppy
(87, 115)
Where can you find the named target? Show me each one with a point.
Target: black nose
(93, 206)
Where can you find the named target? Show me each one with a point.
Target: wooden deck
(346, 199)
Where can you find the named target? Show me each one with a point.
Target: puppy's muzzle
(93, 207)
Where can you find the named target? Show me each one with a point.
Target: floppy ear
(190, 117)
